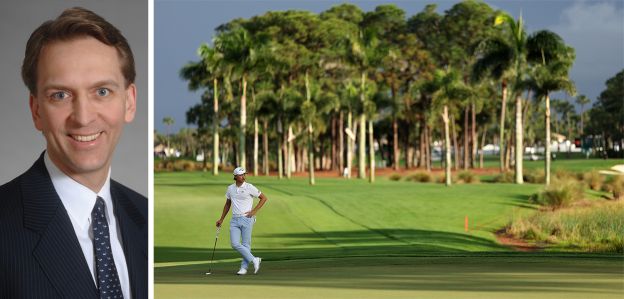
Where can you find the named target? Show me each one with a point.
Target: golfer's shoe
(256, 263)
(242, 271)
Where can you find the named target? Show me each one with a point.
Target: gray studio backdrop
(20, 142)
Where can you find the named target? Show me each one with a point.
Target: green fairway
(574, 165)
(351, 239)
(402, 277)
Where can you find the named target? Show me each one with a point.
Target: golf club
(213, 250)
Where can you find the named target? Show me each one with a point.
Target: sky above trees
(594, 28)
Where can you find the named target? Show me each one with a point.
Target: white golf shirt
(241, 197)
(79, 201)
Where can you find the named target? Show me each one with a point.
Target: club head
(208, 273)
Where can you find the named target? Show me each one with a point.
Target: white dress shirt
(79, 202)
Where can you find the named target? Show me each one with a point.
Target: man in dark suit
(67, 230)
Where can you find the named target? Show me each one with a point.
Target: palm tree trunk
(428, 147)
(255, 153)
(334, 149)
(362, 136)
(289, 152)
(452, 120)
(423, 151)
(265, 146)
(410, 156)
(215, 131)
(395, 139)
(447, 145)
(482, 145)
(280, 150)
(474, 137)
(349, 144)
(371, 152)
(501, 135)
(301, 153)
(362, 147)
(340, 143)
(582, 121)
(547, 143)
(243, 125)
(519, 144)
(508, 151)
(466, 139)
(310, 154)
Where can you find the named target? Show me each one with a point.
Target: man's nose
(84, 110)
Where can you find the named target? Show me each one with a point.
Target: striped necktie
(107, 278)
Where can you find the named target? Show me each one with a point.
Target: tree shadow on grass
(472, 273)
(521, 201)
(339, 243)
(369, 260)
(418, 240)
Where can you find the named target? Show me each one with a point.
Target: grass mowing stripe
(387, 235)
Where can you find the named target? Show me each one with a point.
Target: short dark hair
(72, 23)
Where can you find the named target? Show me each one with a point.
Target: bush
(598, 227)
(177, 165)
(441, 179)
(561, 174)
(160, 166)
(188, 166)
(421, 177)
(506, 177)
(560, 193)
(535, 176)
(615, 186)
(467, 177)
(594, 180)
(395, 177)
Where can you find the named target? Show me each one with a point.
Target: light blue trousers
(240, 230)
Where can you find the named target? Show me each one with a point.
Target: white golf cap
(239, 171)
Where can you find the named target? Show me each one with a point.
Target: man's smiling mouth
(86, 138)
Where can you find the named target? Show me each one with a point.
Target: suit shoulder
(136, 198)
(10, 193)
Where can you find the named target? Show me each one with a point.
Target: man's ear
(130, 108)
(34, 111)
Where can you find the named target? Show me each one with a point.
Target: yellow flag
(499, 20)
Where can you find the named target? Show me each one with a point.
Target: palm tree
(168, 121)
(550, 74)
(446, 88)
(496, 60)
(507, 57)
(582, 100)
(213, 60)
(202, 74)
(365, 53)
(518, 43)
(239, 51)
(308, 111)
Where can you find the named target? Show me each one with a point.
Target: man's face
(81, 104)
(239, 178)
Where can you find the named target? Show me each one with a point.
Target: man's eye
(103, 92)
(60, 95)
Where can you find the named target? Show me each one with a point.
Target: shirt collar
(243, 185)
(77, 198)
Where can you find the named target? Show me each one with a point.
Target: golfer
(240, 195)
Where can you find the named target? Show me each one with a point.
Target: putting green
(351, 239)
(402, 277)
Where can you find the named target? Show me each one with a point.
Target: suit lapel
(58, 251)
(132, 225)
